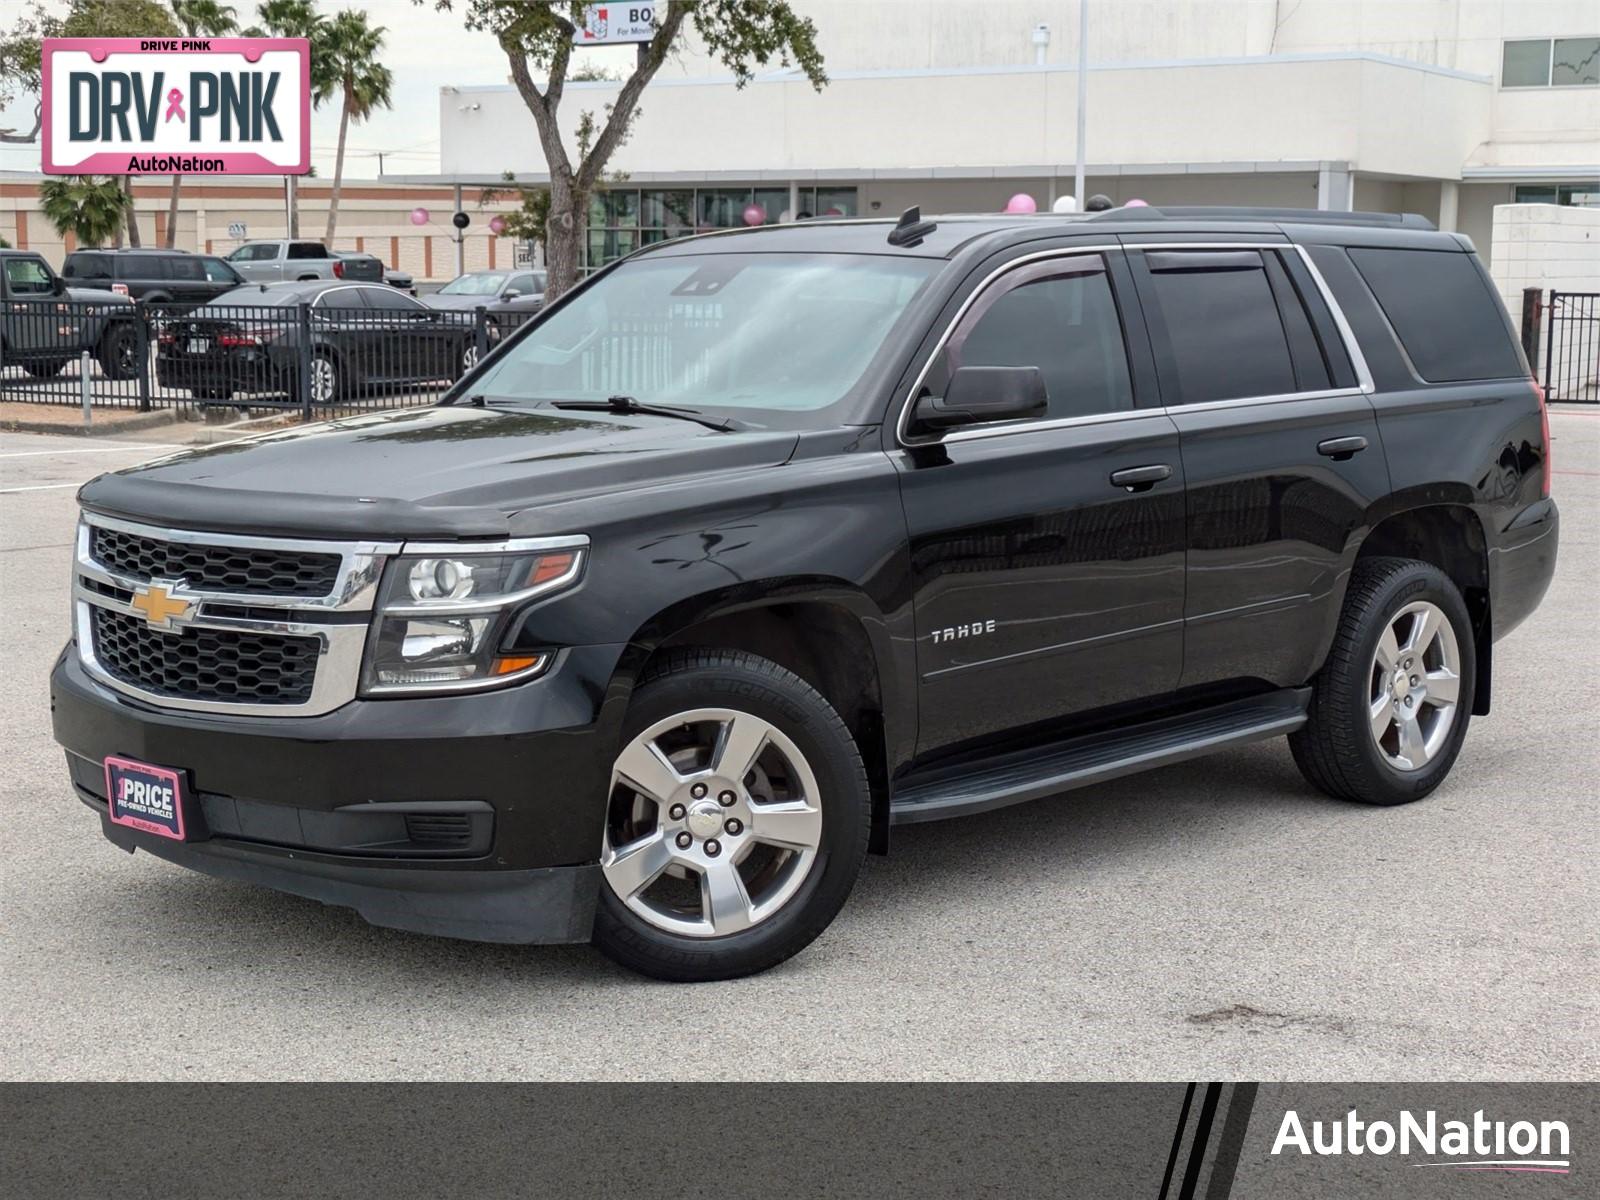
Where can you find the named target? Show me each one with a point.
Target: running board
(1094, 758)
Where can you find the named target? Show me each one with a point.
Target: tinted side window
(86, 266)
(307, 250)
(1060, 317)
(1443, 312)
(181, 266)
(218, 271)
(1224, 337)
(389, 300)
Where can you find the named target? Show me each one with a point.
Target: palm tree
(351, 49)
(197, 18)
(89, 208)
(298, 19)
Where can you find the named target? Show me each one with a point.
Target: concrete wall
(1378, 116)
(1550, 247)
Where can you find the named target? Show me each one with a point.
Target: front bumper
(274, 799)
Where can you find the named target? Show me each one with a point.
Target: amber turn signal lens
(509, 666)
(550, 566)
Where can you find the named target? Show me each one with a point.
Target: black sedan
(351, 338)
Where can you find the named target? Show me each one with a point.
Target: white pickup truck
(289, 259)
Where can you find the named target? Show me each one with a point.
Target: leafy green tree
(20, 67)
(197, 18)
(89, 208)
(530, 220)
(537, 40)
(351, 49)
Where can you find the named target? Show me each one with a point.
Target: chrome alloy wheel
(469, 358)
(324, 380)
(1415, 686)
(714, 823)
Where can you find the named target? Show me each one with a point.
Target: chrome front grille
(222, 568)
(222, 622)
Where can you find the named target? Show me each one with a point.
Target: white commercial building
(1443, 107)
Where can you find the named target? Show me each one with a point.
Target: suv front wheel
(736, 823)
(1389, 710)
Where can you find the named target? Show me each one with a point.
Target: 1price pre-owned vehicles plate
(755, 545)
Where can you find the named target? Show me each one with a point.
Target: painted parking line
(39, 487)
(94, 450)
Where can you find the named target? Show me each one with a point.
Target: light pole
(1083, 95)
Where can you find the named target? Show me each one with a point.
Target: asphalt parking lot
(1215, 919)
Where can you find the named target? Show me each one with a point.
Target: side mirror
(511, 293)
(58, 286)
(981, 394)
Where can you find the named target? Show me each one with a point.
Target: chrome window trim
(1358, 362)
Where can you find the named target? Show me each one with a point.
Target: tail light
(166, 339)
(1544, 429)
(120, 289)
(254, 337)
(338, 268)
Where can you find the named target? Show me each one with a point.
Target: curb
(101, 428)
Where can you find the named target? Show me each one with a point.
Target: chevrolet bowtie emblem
(160, 607)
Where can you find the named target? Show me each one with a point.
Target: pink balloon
(497, 225)
(1021, 203)
(1136, 204)
(835, 211)
(419, 216)
(754, 214)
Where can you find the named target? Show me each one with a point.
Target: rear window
(307, 250)
(1442, 311)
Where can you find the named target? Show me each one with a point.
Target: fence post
(480, 331)
(1549, 349)
(1532, 314)
(84, 368)
(303, 316)
(144, 359)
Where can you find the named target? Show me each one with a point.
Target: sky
(426, 50)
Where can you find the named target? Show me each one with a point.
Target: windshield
(485, 284)
(741, 332)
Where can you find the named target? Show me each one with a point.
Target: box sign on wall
(164, 106)
(616, 24)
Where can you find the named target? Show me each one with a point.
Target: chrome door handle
(1341, 448)
(1140, 479)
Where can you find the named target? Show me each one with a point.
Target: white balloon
(785, 217)
(1065, 204)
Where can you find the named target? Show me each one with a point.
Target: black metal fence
(1572, 346)
(312, 357)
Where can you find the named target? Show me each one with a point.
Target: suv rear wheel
(737, 820)
(1389, 710)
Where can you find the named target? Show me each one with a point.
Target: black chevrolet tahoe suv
(760, 543)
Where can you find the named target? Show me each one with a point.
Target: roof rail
(1293, 216)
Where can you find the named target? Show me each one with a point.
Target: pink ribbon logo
(175, 105)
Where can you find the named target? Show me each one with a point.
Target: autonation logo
(1476, 1145)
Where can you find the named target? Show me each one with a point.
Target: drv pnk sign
(169, 106)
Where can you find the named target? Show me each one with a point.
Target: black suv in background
(757, 544)
(174, 278)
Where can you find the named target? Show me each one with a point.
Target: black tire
(1336, 750)
(118, 354)
(44, 368)
(211, 395)
(693, 678)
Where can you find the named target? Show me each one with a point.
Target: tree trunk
(133, 216)
(338, 172)
(564, 238)
(172, 212)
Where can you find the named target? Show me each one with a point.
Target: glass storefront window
(623, 219)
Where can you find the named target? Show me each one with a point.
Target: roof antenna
(911, 229)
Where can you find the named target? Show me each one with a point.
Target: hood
(90, 295)
(427, 472)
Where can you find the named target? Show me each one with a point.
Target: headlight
(444, 610)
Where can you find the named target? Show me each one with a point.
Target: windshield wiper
(627, 406)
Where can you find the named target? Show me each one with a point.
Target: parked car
(362, 337)
(44, 324)
(762, 543)
(496, 291)
(371, 267)
(174, 278)
(285, 260)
